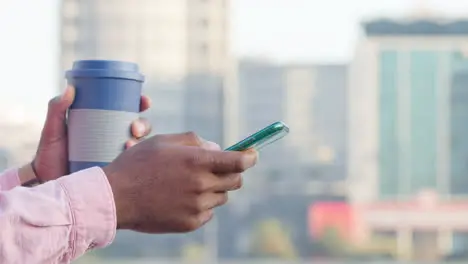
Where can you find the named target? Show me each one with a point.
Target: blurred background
(375, 168)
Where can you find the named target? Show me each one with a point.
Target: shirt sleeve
(9, 179)
(58, 221)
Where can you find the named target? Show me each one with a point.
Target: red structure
(337, 215)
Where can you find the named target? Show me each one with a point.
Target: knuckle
(223, 199)
(196, 221)
(239, 164)
(192, 138)
(200, 183)
(198, 205)
(238, 182)
(203, 218)
(191, 224)
(198, 158)
(192, 160)
(51, 102)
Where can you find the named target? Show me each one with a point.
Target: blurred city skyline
(282, 30)
(376, 157)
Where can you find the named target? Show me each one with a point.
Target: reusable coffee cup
(107, 101)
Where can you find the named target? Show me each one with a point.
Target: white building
(179, 44)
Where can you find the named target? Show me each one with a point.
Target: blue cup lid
(105, 69)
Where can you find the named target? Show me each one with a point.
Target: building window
(458, 125)
(388, 125)
(423, 142)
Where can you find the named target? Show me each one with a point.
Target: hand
(51, 159)
(171, 183)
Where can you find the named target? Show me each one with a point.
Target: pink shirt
(55, 222)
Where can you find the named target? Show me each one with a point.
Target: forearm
(58, 221)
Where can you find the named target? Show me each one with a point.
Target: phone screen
(262, 138)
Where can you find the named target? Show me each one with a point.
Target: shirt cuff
(9, 179)
(92, 208)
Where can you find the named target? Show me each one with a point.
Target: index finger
(224, 162)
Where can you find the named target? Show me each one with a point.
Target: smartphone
(262, 138)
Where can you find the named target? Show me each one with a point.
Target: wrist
(122, 210)
(27, 176)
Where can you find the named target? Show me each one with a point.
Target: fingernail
(68, 94)
(65, 92)
(140, 127)
(257, 156)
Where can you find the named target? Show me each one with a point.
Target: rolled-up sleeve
(58, 221)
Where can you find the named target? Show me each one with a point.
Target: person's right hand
(171, 183)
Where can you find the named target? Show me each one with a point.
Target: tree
(194, 253)
(272, 240)
(332, 243)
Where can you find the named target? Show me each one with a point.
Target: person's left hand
(51, 161)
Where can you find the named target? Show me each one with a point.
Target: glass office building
(422, 108)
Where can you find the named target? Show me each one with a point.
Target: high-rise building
(408, 108)
(178, 44)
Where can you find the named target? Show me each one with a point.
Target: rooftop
(429, 26)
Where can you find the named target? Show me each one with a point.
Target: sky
(284, 30)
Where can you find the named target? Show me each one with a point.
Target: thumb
(55, 124)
